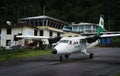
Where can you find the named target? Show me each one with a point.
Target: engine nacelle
(93, 39)
(54, 40)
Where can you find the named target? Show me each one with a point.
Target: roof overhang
(42, 17)
(50, 29)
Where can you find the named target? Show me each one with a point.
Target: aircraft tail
(101, 25)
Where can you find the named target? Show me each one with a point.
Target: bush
(2, 48)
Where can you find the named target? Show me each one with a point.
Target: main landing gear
(66, 56)
(91, 56)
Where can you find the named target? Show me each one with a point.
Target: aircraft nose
(54, 51)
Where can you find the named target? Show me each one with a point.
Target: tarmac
(105, 63)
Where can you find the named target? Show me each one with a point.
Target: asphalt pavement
(105, 63)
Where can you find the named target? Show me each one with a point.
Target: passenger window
(82, 41)
(74, 43)
(70, 42)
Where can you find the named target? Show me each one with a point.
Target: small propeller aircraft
(68, 45)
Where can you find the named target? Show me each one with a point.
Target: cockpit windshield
(64, 41)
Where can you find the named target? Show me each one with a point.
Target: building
(81, 28)
(84, 27)
(8, 34)
(45, 21)
(71, 34)
(33, 26)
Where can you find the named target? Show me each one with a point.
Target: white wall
(46, 32)
(15, 31)
(28, 31)
(25, 31)
(3, 37)
(54, 34)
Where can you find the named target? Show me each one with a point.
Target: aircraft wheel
(91, 55)
(66, 56)
(60, 58)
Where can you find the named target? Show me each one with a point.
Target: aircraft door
(75, 46)
(82, 44)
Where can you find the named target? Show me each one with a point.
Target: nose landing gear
(61, 58)
(66, 56)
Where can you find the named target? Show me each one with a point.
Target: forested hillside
(66, 10)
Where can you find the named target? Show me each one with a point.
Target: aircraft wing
(93, 38)
(109, 35)
(32, 37)
(101, 36)
(51, 40)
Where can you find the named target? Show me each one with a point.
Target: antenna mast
(44, 8)
(109, 16)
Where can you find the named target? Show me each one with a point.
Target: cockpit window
(64, 41)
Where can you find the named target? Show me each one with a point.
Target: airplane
(68, 45)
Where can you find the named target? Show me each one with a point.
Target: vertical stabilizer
(101, 25)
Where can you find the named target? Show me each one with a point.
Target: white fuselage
(68, 45)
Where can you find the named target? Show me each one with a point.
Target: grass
(14, 54)
(117, 39)
(118, 74)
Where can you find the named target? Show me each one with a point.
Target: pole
(44, 8)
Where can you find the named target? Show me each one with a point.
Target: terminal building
(84, 27)
(31, 26)
(81, 27)
(41, 26)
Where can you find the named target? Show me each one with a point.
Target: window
(82, 41)
(88, 28)
(70, 42)
(64, 41)
(19, 33)
(81, 28)
(75, 42)
(9, 30)
(51, 33)
(36, 23)
(58, 34)
(8, 42)
(95, 28)
(76, 35)
(75, 28)
(35, 32)
(41, 33)
(40, 23)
